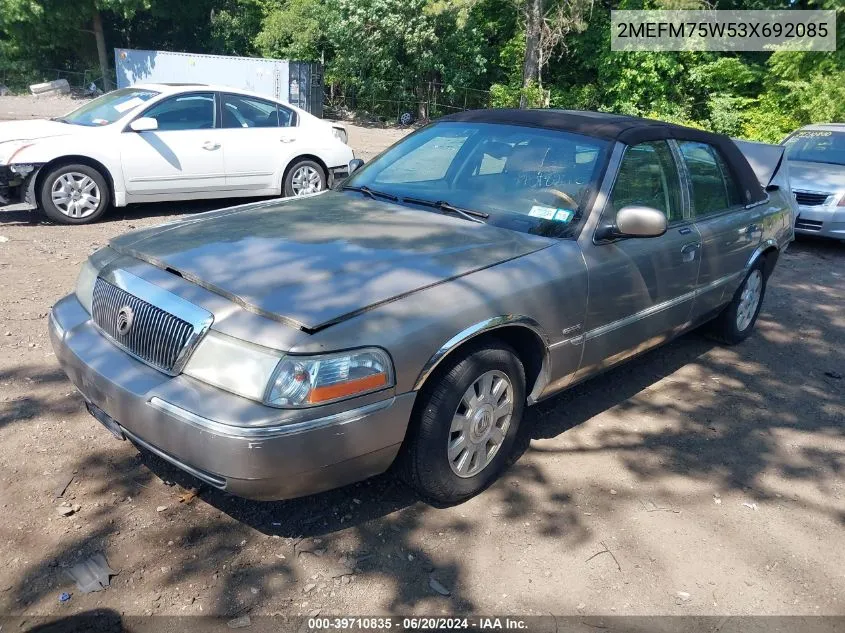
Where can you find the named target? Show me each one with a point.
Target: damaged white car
(157, 142)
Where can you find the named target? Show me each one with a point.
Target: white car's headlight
(85, 285)
(268, 376)
(305, 381)
(340, 133)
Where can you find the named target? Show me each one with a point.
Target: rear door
(729, 231)
(183, 155)
(259, 139)
(641, 290)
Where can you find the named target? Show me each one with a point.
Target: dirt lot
(697, 479)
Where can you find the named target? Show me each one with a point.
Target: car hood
(822, 177)
(39, 128)
(316, 261)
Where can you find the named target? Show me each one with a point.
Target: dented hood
(316, 261)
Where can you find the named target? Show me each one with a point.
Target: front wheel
(304, 177)
(73, 194)
(465, 425)
(737, 320)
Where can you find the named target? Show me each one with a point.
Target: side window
(714, 187)
(287, 118)
(239, 111)
(648, 176)
(194, 111)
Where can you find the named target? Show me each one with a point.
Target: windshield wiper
(467, 214)
(372, 193)
(59, 119)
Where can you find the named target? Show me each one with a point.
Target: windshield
(108, 108)
(817, 146)
(527, 179)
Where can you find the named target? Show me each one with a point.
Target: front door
(184, 155)
(729, 231)
(641, 290)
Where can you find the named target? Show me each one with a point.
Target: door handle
(688, 251)
(287, 139)
(211, 145)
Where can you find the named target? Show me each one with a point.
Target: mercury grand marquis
(480, 265)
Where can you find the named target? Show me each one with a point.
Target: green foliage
(509, 95)
(296, 29)
(392, 55)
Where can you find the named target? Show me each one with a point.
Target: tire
(432, 455)
(73, 194)
(735, 323)
(304, 177)
(406, 118)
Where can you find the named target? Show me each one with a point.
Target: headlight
(340, 133)
(85, 285)
(233, 365)
(304, 381)
(268, 376)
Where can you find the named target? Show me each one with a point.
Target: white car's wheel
(73, 194)
(304, 177)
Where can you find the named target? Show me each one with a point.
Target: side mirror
(144, 124)
(635, 221)
(354, 165)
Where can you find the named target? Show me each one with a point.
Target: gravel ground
(697, 479)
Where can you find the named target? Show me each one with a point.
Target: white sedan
(156, 142)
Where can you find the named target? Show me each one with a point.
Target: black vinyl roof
(618, 127)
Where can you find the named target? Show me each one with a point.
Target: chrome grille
(155, 336)
(810, 198)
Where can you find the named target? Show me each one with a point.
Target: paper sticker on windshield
(128, 105)
(564, 215)
(547, 213)
(552, 213)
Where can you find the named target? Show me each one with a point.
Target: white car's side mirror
(144, 124)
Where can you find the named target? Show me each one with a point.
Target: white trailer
(298, 83)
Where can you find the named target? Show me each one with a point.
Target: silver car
(482, 264)
(817, 172)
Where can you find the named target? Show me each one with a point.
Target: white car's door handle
(210, 145)
(287, 139)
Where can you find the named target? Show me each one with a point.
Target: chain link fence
(396, 101)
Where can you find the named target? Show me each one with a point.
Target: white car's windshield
(817, 146)
(527, 179)
(109, 107)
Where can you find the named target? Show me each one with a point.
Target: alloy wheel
(749, 300)
(306, 180)
(480, 423)
(75, 195)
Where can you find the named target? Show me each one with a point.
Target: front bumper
(823, 221)
(191, 424)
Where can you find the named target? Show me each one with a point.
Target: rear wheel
(737, 320)
(465, 425)
(73, 194)
(304, 177)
